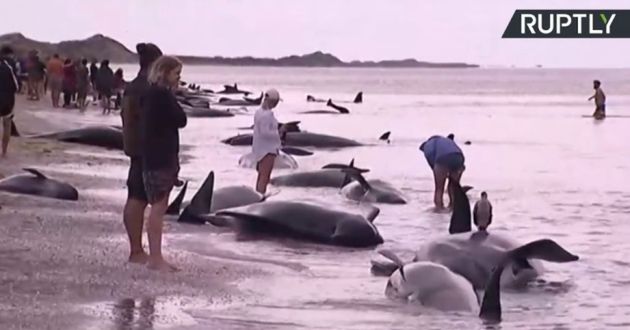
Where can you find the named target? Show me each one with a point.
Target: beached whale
(100, 136)
(337, 109)
(299, 139)
(208, 200)
(472, 255)
(332, 178)
(362, 190)
(36, 183)
(329, 176)
(227, 89)
(196, 112)
(303, 220)
(245, 102)
(435, 286)
(357, 99)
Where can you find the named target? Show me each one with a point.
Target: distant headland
(101, 47)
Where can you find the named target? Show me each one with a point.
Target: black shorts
(7, 103)
(453, 162)
(135, 182)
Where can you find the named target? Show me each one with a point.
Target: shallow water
(548, 171)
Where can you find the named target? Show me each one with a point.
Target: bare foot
(139, 258)
(161, 265)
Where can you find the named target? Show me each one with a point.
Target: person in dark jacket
(133, 214)
(93, 75)
(69, 82)
(160, 120)
(446, 160)
(105, 85)
(83, 84)
(119, 85)
(8, 87)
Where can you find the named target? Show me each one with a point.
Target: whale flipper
(389, 254)
(354, 173)
(393, 257)
(35, 172)
(545, 249)
(176, 205)
(374, 212)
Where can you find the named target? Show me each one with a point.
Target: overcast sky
(432, 30)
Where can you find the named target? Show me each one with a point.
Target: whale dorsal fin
(176, 205)
(461, 218)
(35, 172)
(201, 203)
(358, 98)
(385, 136)
(545, 249)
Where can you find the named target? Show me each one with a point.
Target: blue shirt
(438, 146)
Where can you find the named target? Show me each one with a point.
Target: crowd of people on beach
(151, 120)
(70, 77)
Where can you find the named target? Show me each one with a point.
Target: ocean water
(549, 172)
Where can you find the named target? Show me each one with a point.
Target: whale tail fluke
(545, 249)
(292, 126)
(358, 98)
(336, 107)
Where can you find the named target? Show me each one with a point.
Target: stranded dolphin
(36, 183)
(436, 286)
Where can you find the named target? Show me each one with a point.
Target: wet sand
(63, 263)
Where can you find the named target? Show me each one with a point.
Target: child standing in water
(266, 139)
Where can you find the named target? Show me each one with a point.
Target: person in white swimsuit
(266, 139)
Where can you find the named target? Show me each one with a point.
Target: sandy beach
(63, 264)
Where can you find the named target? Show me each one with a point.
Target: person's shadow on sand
(127, 316)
